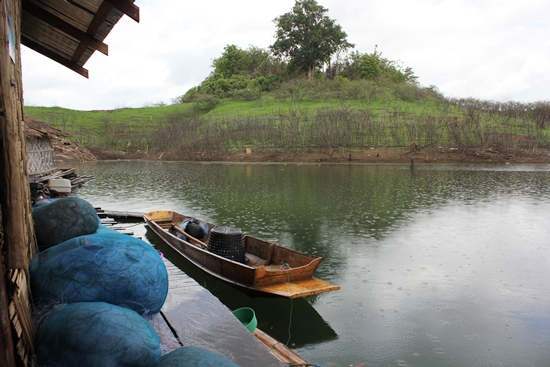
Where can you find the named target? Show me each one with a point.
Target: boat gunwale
(313, 259)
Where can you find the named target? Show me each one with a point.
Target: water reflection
(294, 322)
(442, 266)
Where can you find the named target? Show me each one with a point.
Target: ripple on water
(474, 240)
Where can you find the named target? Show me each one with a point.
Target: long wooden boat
(268, 268)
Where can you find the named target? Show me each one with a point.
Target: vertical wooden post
(18, 233)
(14, 180)
(7, 356)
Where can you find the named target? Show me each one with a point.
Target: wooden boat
(268, 268)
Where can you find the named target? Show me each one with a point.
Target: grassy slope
(388, 115)
(74, 121)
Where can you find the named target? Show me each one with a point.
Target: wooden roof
(69, 31)
(37, 129)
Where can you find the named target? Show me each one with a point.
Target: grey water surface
(446, 265)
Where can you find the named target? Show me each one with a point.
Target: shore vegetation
(283, 103)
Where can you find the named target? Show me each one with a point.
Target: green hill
(311, 116)
(299, 97)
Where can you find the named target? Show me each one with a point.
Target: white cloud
(485, 49)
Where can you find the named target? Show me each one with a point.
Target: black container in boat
(227, 242)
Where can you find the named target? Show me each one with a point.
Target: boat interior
(258, 252)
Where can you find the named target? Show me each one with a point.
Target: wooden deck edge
(278, 349)
(118, 214)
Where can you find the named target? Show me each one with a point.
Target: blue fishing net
(43, 202)
(93, 334)
(113, 268)
(193, 357)
(62, 220)
(105, 230)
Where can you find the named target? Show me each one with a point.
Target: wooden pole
(7, 357)
(18, 232)
(14, 180)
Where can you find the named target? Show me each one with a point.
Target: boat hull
(277, 271)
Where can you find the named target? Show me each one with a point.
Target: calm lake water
(441, 266)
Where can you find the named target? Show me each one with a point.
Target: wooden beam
(102, 14)
(127, 7)
(63, 26)
(52, 55)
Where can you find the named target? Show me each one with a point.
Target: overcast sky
(486, 49)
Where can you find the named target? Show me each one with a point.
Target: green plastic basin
(247, 317)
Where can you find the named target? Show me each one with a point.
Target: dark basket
(227, 242)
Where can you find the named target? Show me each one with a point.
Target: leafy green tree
(308, 37)
(375, 66)
(237, 71)
(251, 63)
(369, 67)
(229, 63)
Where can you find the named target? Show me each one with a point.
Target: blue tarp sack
(62, 220)
(193, 357)
(113, 268)
(92, 334)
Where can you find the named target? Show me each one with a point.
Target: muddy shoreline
(373, 155)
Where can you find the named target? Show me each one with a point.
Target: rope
(291, 310)
(290, 323)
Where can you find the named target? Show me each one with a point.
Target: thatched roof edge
(36, 129)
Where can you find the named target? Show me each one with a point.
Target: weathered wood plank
(7, 357)
(52, 55)
(59, 23)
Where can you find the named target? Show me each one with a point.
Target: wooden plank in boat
(298, 288)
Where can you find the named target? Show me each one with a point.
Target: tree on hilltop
(251, 63)
(375, 66)
(308, 37)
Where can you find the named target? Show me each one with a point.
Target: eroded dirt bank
(373, 155)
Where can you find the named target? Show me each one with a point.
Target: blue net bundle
(193, 357)
(113, 268)
(62, 220)
(95, 334)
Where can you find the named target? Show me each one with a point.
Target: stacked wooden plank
(67, 173)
